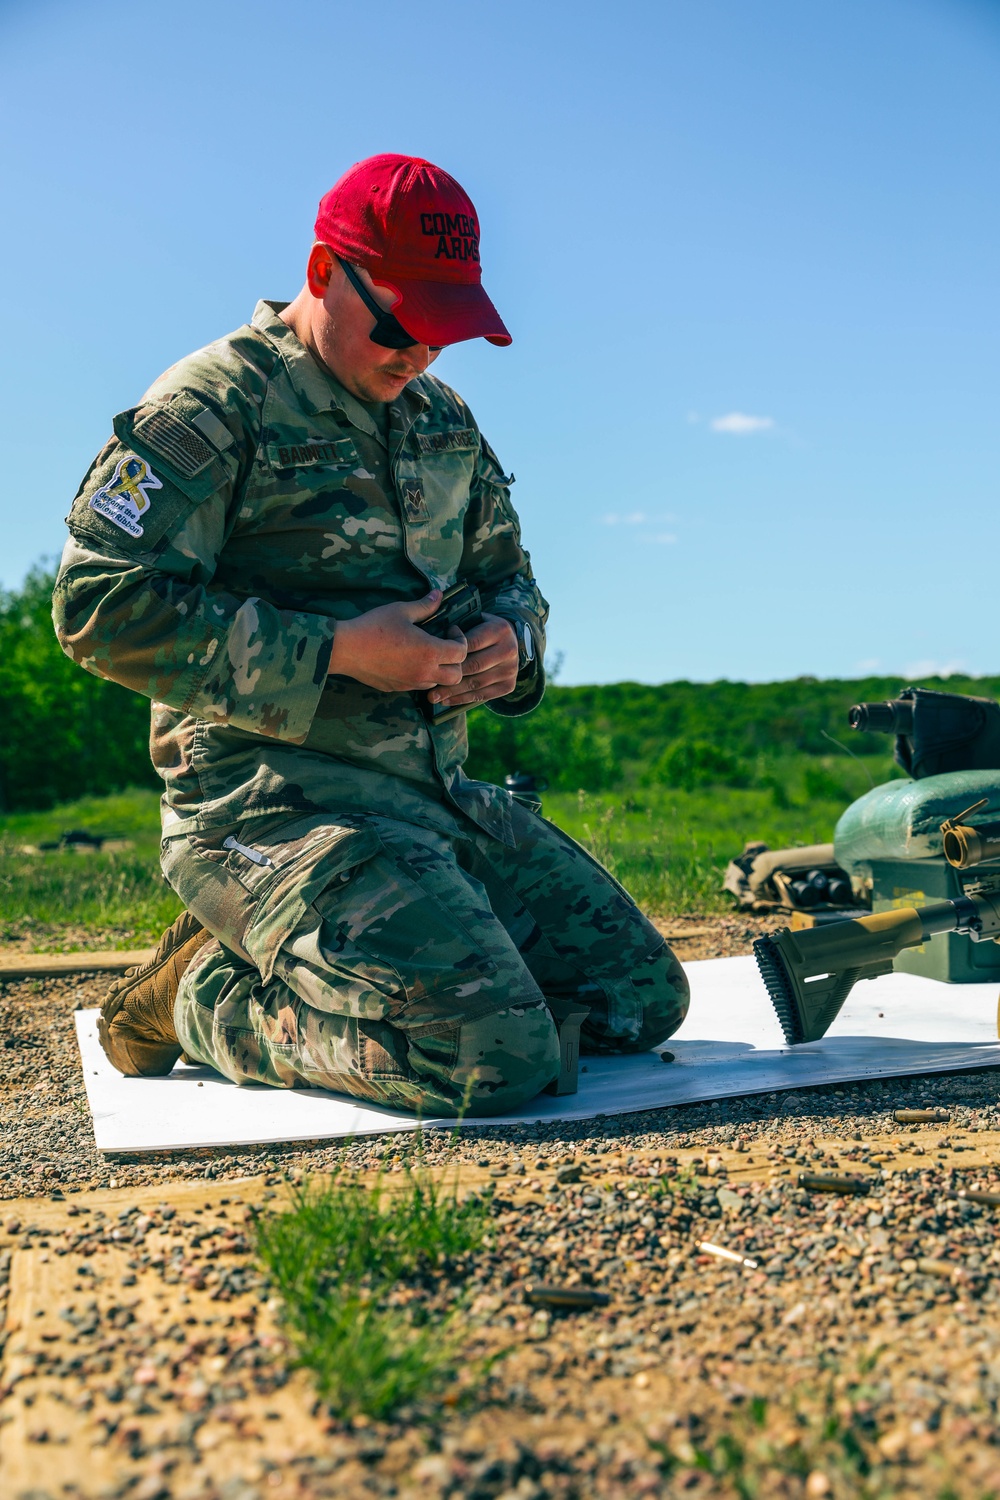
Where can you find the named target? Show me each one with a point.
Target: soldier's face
(341, 325)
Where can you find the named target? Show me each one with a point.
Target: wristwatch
(525, 646)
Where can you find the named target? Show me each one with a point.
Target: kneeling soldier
(255, 549)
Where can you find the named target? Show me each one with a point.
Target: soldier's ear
(320, 269)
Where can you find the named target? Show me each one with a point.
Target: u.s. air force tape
(455, 438)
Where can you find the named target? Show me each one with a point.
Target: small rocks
(676, 1354)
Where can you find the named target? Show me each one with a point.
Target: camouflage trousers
(410, 967)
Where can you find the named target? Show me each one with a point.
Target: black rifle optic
(935, 732)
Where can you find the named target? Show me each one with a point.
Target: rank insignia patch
(414, 502)
(124, 498)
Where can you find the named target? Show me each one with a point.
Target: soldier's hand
(489, 670)
(385, 649)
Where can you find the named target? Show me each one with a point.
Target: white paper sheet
(730, 1044)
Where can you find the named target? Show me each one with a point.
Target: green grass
(349, 1264)
(134, 814)
(58, 900)
(668, 846)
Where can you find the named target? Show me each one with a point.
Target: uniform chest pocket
(310, 486)
(435, 483)
(435, 489)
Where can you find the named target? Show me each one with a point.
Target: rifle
(810, 973)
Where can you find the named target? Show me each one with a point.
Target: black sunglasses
(388, 331)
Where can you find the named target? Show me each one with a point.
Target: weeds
(348, 1263)
(670, 847)
(115, 897)
(768, 1447)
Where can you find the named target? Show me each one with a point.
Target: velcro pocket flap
(183, 436)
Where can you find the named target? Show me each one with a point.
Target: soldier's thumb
(422, 609)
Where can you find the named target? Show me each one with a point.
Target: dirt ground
(858, 1356)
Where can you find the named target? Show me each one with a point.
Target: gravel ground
(860, 1356)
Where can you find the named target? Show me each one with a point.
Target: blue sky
(747, 249)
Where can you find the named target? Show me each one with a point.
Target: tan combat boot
(136, 1024)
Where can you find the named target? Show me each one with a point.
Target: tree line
(67, 733)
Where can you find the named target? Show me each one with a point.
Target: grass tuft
(347, 1263)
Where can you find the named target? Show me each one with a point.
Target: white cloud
(868, 666)
(643, 518)
(740, 423)
(928, 667)
(634, 518)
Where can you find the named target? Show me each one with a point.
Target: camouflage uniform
(385, 925)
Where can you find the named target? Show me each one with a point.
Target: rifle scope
(893, 717)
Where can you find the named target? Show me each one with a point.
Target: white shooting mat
(730, 1044)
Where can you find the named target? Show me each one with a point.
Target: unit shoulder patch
(125, 497)
(455, 439)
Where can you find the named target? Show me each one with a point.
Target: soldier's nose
(419, 357)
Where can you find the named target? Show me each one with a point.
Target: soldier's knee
(666, 995)
(505, 1060)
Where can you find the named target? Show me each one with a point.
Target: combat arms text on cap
(415, 231)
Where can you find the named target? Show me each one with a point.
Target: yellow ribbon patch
(125, 496)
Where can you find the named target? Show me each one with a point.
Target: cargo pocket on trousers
(298, 860)
(250, 886)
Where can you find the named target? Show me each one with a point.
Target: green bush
(559, 744)
(694, 763)
(64, 732)
(822, 786)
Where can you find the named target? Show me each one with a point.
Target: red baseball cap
(414, 230)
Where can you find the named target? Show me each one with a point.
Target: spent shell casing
(708, 1248)
(943, 1268)
(921, 1116)
(565, 1296)
(814, 1183)
(973, 1195)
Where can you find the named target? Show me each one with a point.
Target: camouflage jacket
(245, 506)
